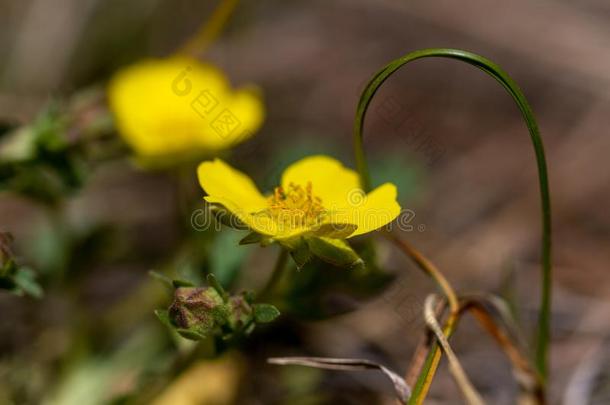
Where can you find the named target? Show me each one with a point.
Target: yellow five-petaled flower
(318, 199)
(175, 107)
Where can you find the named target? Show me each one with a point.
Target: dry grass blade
(403, 391)
(470, 394)
(492, 312)
(423, 348)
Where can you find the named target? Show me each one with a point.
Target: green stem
(276, 275)
(489, 67)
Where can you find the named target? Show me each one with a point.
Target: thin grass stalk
(489, 67)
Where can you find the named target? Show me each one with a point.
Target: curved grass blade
(489, 67)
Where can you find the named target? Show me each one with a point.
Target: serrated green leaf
(335, 251)
(265, 313)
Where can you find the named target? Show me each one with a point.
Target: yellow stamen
(296, 207)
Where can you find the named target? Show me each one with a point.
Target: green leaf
(265, 313)
(335, 251)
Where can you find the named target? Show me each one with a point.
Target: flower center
(296, 206)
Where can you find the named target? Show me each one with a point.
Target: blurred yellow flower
(181, 107)
(209, 382)
(317, 197)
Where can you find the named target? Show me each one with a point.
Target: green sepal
(301, 254)
(334, 230)
(225, 217)
(335, 251)
(163, 316)
(252, 238)
(182, 283)
(162, 278)
(214, 283)
(190, 334)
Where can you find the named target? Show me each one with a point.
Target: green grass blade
(489, 67)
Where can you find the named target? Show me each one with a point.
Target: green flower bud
(198, 310)
(241, 312)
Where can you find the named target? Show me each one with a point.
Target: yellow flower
(181, 107)
(318, 197)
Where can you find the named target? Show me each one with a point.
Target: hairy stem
(429, 268)
(276, 275)
(210, 29)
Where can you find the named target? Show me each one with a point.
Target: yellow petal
(377, 209)
(237, 193)
(330, 180)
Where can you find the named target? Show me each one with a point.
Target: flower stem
(489, 67)
(276, 275)
(429, 268)
(210, 29)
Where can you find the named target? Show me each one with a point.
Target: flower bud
(198, 310)
(241, 312)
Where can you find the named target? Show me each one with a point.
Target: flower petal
(236, 192)
(378, 208)
(331, 181)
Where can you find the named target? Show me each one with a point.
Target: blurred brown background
(452, 131)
